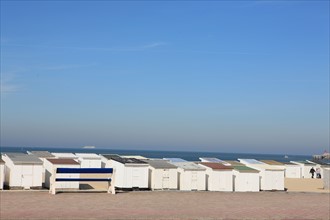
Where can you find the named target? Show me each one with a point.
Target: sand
(164, 205)
(304, 199)
(305, 185)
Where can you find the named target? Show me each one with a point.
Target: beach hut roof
(216, 166)
(123, 160)
(211, 159)
(160, 164)
(251, 161)
(23, 158)
(290, 163)
(135, 156)
(322, 162)
(175, 160)
(272, 162)
(189, 166)
(245, 169)
(88, 156)
(109, 156)
(267, 167)
(214, 160)
(41, 154)
(66, 161)
(234, 163)
(65, 155)
(304, 162)
(315, 162)
(15, 154)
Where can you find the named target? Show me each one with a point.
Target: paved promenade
(164, 205)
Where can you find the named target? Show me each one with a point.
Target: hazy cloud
(110, 49)
(65, 66)
(7, 84)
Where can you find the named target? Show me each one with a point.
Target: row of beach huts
(35, 169)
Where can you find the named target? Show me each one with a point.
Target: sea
(189, 156)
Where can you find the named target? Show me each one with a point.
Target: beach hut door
(194, 180)
(166, 179)
(136, 177)
(27, 176)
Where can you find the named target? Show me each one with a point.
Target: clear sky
(250, 76)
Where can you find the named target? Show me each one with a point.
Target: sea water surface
(190, 156)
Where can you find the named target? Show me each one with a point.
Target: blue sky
(250, 76)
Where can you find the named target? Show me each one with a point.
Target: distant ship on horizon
(90, 147)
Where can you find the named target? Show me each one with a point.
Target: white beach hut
(190, 175)
(51, 164)
(292, 170)
(305, 168)
(274, 163)
(130, 173)
(42, 155)
(272, 177)
(245, 179)
(2, 173)
(89, 160)
(162, 175)
(326, 178)
(22, 171)
(218, 176)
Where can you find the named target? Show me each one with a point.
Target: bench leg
(113, 191)
(52, 189)
(111, 188)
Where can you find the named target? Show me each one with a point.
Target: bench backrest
(111, 171)
(84, 170)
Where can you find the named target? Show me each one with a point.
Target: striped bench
(110, 180)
